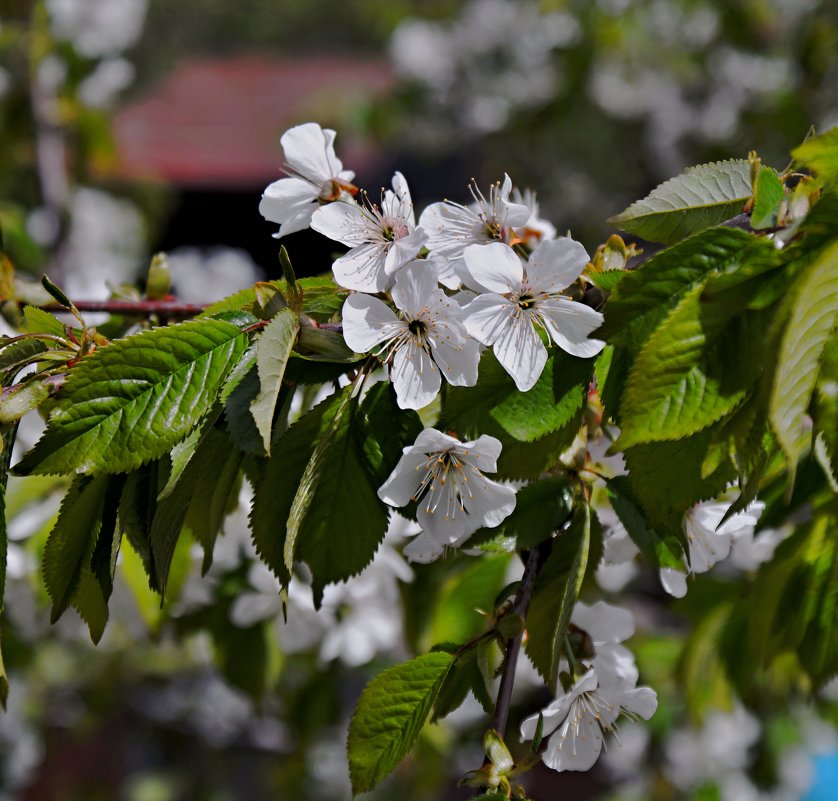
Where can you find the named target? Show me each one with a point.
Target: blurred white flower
(101, 88)
(98, 28)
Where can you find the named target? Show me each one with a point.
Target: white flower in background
(607, 626)
(98, 28)
(425, 340)
(101, 87)
(455, 499)
(382, 240)
(315, 175)
(709, 539)
(536, 227)
(577, 721)
(451, 228)
(519, 296)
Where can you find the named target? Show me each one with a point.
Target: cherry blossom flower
(605, 627)
(519, 296)
(577, 721)
(451, 227)
(536, 228)
(424, 340)
(446, 477)
(382, 240)
(709, 539)
(315, 175)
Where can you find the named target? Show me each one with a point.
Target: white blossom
(382, 240)
(315, 175)
(451, 227)
(519, 296)
(577, 721)
(709, 539)
(424, 341)
(454, 498)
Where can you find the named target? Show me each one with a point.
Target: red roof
(218, 122)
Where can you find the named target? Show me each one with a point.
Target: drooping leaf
(769, 195)
(390, 715)
(666, 477)
(645, 296)
(820, 154)
(556, 591)
(273, 347)
(322, 345)
(675, 387)
(496, 404)
(19, 353)
(814, 310)
(662, 551)
(699, 198)
(130, 402)
(336, 521)
(18, 400)
(274, 493)
(240, 423)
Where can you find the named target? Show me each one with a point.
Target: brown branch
(513, 646)
(138, 308)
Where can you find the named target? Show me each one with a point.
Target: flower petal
(674, 581)
(309, 151)
(576, 745)
(423, 548)
(494, 267)
(416, 287)
(362, 269)
(491, 502)
(403, 483)
(556, 264)
(569, 323)
(343, 222)
(415, 376)
(367, 322)
(603, 622)
(487, 316)
(520, 351)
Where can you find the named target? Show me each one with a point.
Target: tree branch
(513, 646)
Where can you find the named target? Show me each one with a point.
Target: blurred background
(129, 127)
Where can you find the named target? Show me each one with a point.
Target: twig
(513, 646)
(139, 308)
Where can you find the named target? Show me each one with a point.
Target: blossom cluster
(600, 687)
(490, 273)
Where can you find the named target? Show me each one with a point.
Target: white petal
(457, 358)
(576, 745)
(416, 287)
(707, 548)
(487, 316)
(430, 440)
(290, 202)
(250, 608)
(553, 715)
(674, 581)
(569, 323)
(642, 701)
(362, 269)
(423, 548)
(450, 228)
(404, 249)
(556, 264)
(444, 527)
(404, 481)
(483, 453)
(366, 321)
(603, 622)
(494, 267)
(520, 351)
(415, 377)
(491, 502)
(343, 222)
(309, 151)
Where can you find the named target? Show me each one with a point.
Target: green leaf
(820, 154)
(274, 492)
(240, 423)
(17, 354)
(273, 347)
(606, 280)
(322, 297)
(814, 309)
(767, 199)
(463, 677)
(674, 389)
(80, 554)
(662, 551)
(336, 521)
(667, 479)
(56, 292)
(22, 398)
(456, 615)
(699, 198)
(541, 509)
(556, 591)
(38, 321)
(322, 345)
(643, 298)
(130, 402)
(389, 716)
(496, 404)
